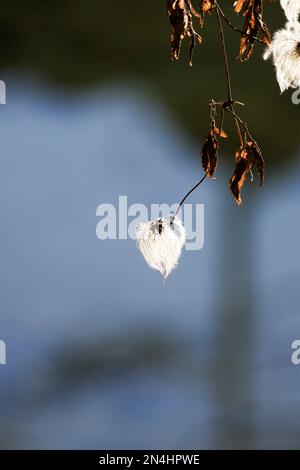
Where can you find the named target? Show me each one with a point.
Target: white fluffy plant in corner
(291, 9)
(161, 242)
(285, 51)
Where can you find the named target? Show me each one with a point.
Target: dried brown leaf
(222, 133)
(206, 6)
(259, 161)
(245, 157)
(242, 168)
(209, 154)
(180, 14)
(239, 5)
(254, 26)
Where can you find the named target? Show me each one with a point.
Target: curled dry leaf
(258, 160)
(206, 6)
(242, 167)
(209, 152)
(180, 14)
(254, 26)
(220, 132)
(239, 5)
(245, 157)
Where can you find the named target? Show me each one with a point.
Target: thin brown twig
(244, 124)
(227, 73)
(234, 28)
(206, 174)
(220, 128)
(187, 195)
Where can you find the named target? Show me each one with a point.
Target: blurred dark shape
(120, 355)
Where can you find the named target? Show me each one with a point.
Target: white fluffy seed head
(161, 243)
(291, 9)
(285, 51)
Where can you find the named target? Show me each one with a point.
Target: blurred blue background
(100, 354)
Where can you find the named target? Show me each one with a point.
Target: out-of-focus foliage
(77, 43)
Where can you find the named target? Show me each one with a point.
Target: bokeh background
(100, 354)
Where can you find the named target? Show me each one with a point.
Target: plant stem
(227, 73)
(234, 28)
(188, 194)
(206, 174)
